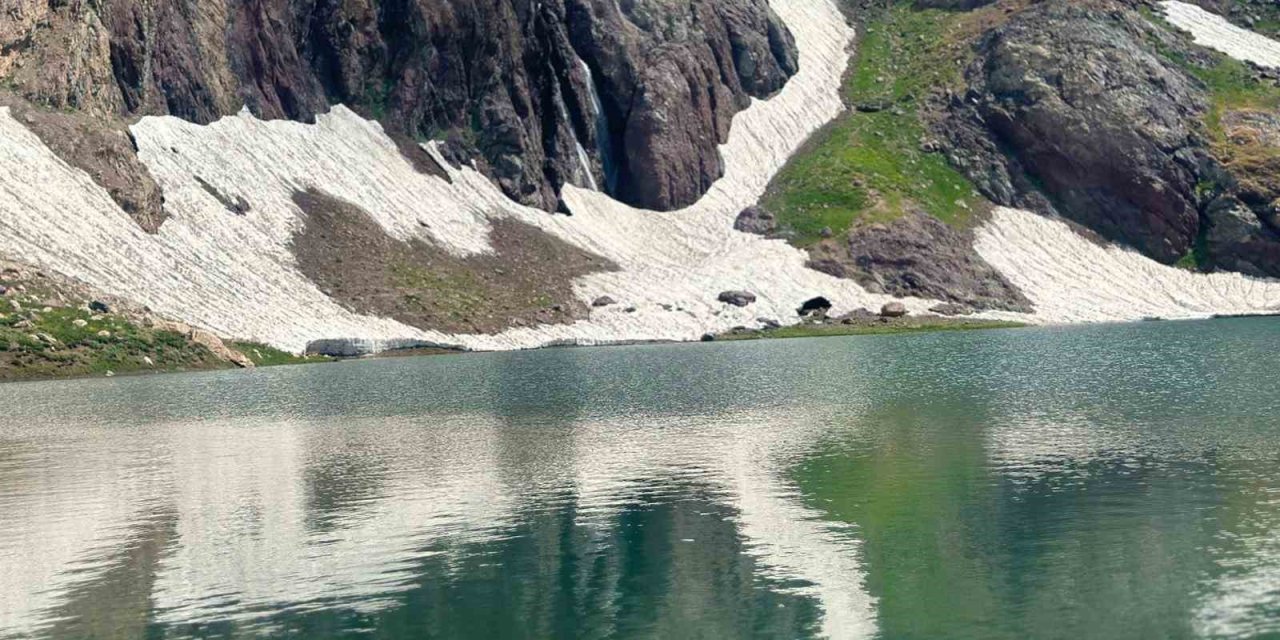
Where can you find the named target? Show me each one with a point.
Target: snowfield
(1215, 32)
(236, 275)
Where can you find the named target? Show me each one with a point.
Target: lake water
(1087, 482)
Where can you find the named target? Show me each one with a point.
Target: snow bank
(1215, 32)
(1072, 279)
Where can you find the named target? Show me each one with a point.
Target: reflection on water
(1089, 482)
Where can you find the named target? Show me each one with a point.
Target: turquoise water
(1088, 482)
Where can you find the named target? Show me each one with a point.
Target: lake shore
(13, 369)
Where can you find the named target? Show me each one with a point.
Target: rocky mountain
(630, 98)
(366, 174)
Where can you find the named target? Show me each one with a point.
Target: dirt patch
(916, 255)
(527, 281)
(103, 149)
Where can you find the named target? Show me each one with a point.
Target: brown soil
(527, 280)
(102, 148)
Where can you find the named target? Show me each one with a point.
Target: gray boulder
(737, 298)
(757, 220)
(893, 310)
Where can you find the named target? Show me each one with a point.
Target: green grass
(267, 356)
(26, 350)
(827, 330)
(869, 167)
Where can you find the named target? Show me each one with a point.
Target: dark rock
(757, 220)
(737, 298)
(769, 323)
(814, 306)
(893, 310)
(603, 301)
(826, 232)
(918, 255)
(98, 306)
(708, 337)
(1071, 109)
(4, 291)
(951, 309)
(237, 205)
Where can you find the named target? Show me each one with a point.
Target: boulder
(814, 306)
(737, 298)
(603, 301)
(757, 220)
(98, 306)
(893, 310)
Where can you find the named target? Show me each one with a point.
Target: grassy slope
(45, 344)
(47, 332)
(1231, 87)
(869, 166)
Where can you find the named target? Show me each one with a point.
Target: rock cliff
(632, 98)
(1097, 113)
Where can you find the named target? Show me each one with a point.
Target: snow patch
(1072, 279)
(1215, 32)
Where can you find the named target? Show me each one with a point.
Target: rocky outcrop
(918, 255)
(1075, 109)
(1069, 110)
(206, 339)
(632, 98)
(102, 148)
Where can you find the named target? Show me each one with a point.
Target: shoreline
(866, 327)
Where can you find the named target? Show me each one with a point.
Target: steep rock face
(1067, 103)
(1071, 108)
(629, 97)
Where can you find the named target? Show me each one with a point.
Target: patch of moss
(267, 356)
(868, 165)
